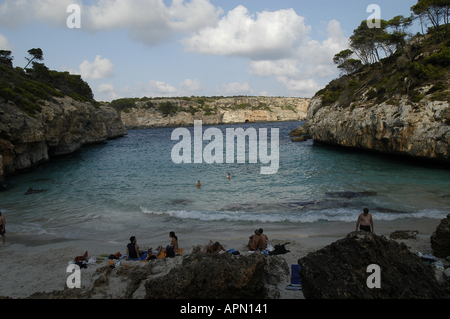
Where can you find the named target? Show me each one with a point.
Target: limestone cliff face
(401, 126)
(63, 126)
(221, 111)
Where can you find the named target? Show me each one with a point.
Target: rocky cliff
(400, 105)
(215, 111)
(63, 126)
(417, 129)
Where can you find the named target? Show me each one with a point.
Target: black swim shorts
(364, 228)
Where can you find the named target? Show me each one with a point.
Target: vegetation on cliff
(170, 106)
(28, 88)
(393, 63)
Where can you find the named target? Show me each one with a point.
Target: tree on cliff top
(435, 12)
(367, 42)
(35, 55)
(345, 63)
(6, 58)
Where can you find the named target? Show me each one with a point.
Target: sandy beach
(29, 264)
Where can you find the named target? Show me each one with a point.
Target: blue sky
(136, 48)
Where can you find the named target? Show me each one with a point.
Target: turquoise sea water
(131, 186)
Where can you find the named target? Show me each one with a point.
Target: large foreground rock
(220, 277)
(195, 276)
(340, 270)
(440, 240)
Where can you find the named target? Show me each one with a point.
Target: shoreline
(39, 263)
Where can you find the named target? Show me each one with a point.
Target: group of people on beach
(133, 251)
(258, 241)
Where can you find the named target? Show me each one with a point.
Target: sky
(162, 48)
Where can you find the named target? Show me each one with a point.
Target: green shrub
(371, 94)
(330, 97)
(168, 109)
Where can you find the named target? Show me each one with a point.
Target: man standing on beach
(2, 227)
(365, 221)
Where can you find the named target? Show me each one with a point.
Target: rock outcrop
(196, 276)
(419, 130)
(220, 111)
(404, 234)
(340, 270)
(440, 240)
(218, 277)
(63, 126)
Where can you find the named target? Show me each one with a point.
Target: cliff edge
(148, 113)
(46, 113)
(399, 106)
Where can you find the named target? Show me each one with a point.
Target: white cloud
(305, 87)
(235, 88)
(266, 68)
(108, 90)
(268, 35)
(15, 13)
(99, 69)
(191, 85)
(161, 87)
(4, 43)
(148, 21)
(312, 61)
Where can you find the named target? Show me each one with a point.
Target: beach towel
(296, 283)
(141, 257)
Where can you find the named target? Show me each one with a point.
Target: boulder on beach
(404, 234)
(219, 276)
(299, 139)
(440, 240)
(345, 269)
(299, 131)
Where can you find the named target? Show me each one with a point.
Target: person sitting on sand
(213, 248)
(174, 242)
(133, 249)
(262, 239)
(153, 254)
(365, 221)
(253, 243)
